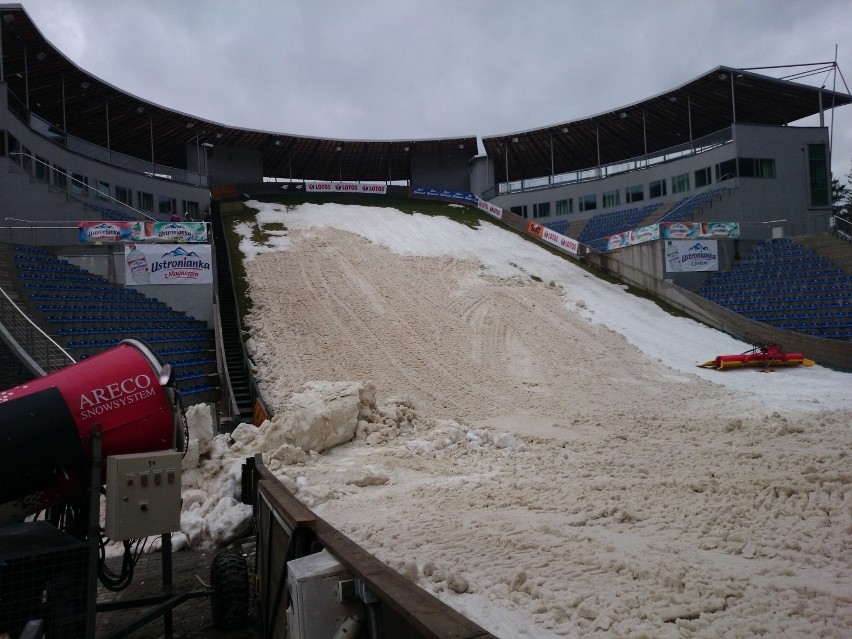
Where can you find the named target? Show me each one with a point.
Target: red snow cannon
(46, 425)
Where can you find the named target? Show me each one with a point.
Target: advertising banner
(114, 232)
(345, 187)
(562, 241)
(177, 232)
(167, 264)
(534, 228)
(107, 232)
(443, 194)
(688, 255)
(720, 229)
(685, 230)
(494, 211)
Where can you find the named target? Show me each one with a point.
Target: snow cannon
(760, 356)
(46, 425)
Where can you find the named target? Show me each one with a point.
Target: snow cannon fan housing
(46, 425)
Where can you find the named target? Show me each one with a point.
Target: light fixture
(405, 149)
(277, 142)
(461, 146)
(41, 56)
(338, 148)
(189, 125)
(514, 139)
(622, 115)
(8, 18)
(564, 129)
(84, 85)
(140, 109)
(672, 99)
(723, 76)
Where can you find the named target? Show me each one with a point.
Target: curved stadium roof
(42, 80)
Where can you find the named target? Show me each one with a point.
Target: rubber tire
(229, 601)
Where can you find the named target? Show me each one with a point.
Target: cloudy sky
(392, 69)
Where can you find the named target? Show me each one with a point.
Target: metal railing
(42, 350)
(700, 145)
(843, 227)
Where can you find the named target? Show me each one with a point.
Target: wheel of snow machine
(229, 600)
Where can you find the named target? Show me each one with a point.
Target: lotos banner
(559, 240)
(166, 264)
(345, 187)
(491, 209)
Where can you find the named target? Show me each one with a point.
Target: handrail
(74, 180)
(843, 227)
(695, 147)
(45, 353)
(684, 202)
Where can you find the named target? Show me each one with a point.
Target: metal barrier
(288, 530)
(43, 355)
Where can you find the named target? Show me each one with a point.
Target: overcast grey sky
(393, 69)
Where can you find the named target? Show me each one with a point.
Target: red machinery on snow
(764, 356)
(46, 425)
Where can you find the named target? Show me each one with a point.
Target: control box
(320, 597)
(143, 494)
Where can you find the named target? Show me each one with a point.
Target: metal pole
(109, 148)
(689, 116)
(167, 581)
(733, 101)
(94, 533)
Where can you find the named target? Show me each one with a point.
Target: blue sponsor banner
(444, 194)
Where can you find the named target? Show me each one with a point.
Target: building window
(122, 194)
(101, 190)
(166, 205)
(79, 184)
(42, 169)
(818, 184)
(587, 202)
(611, 198)
(27, 160)
(542, 209)
(657, 189)
(634, 193)
(60, 177)
(144, 201)
(726, 170)
(564, 207)
(756, 167)
(192, 208)
(520, 210)
(702, 177)
(680, 183)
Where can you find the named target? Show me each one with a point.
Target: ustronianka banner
(114, 232)
(167, 264)
(109, 232)
(178, 232)
(684, 230)
(345, 187)
(688, 255)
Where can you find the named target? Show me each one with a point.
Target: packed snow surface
(530, 443)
